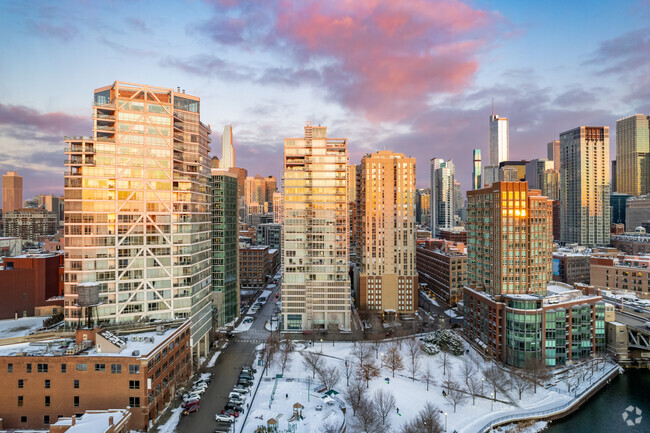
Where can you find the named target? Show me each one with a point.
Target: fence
(546, 413)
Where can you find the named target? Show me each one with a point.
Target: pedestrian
(287, 396)
(397, 410)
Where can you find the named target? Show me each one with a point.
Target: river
(604, 411)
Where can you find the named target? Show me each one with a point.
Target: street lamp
(482, 382)
(321, 345)
(445, 421)
(492, 399)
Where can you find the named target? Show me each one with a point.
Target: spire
(492, 106)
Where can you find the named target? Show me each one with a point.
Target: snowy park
(428, 384)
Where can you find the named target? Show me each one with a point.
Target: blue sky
(414, 76)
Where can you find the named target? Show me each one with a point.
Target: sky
(412, 76)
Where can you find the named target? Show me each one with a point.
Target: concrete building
(227, 149)
(553, 154)
(477, 170)
(633, 155)
(278, 208)
(557, 220)
(618, 202)
(270, 234)
(94, 421)
(637, 212)
(29, 224)
(585, 188)
(388, 281)
(613, 177)
(142, 368)
(490, 175)
(10, 246)
(315, 279)
(624, 272)
(442, 267)
(499, 140)
(632, 243)
(518, 328)
(457, 234)
(138, 209)
(442, 195)
(29, 281)
(257, 265)
(541, 175)
(225, 246)
(423, 207)
(571, 267)
(509, 234)
(12, 192)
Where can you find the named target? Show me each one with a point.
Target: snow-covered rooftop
(93, 421)
(10, 328)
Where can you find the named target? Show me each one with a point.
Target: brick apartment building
(29, 224)
(623, 272)
(48, 380)
(29, 281)
(442, 266)
(632, 243)
(257, 265)
(454, 235)
(95, 421)
(570, 267)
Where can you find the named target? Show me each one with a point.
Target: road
(240, 352)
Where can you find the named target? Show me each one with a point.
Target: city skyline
(479, 53)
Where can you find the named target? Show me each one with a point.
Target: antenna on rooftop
(493, 106)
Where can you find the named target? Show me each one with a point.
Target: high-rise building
(423, 206)
(584, 185)
(270, 187)
(29, 224)
(633, 155)
(541, 175)
(617, 202)
(499, 140)
(12, 192)
(637, 212)
(553, 153)
(388, 280)
(613, 176)
(315, 281)
(137, 217)
(510, 238)
(477, 170)
(227, 149)
(278, 208)
(225, 246)
(442, 195)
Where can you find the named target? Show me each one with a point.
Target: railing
(543, 413)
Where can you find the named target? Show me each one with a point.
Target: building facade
(270, 234)
(385, 240)
(477, 170)
(12, 192)
(585, 187)
(258, 265)
(29, 224)
(571, 267)
(442, 268)
(509, 235)
(624, 272)
(553, 154)
(632, 243)
(225, 246)
(442, 195)
(499, 140)
(637, 212)
(137, 215)
(633, 155)
(316, 283)
(227, 149)
(618, 202)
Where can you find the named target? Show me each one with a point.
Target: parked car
(199, 387)
(240, 389)
(191, 396)
(250, 369)
(190, 409)
(262, 299)
(230, 412)
(319, 407)
(224, 418)
(237, 401)
(189, 403)
(637, 310)
(245, 383)
(236, 395)
(234, 406)
(246, 376)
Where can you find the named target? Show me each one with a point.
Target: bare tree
(313, 361)
(270, 348)
(393, 359)
(286, 349)
(330, 376)
(474, 386)
(520, 382)
(427, 376)
(537, 372)
(571, 381)
(448, 382)
(347, 370)
(367, 372)
(428, 421)
(361, 352)
(443, 360)
(366, 420)
(329, 427)
(355, 394)
(496, 378)
(469, 369)
(384, 404)
(456, 396)
(376, 345)
(414, 353)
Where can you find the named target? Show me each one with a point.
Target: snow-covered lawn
(10, 328)
(411, 395)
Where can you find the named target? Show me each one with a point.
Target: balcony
(105, 139)
(105, 128)
(74, 149)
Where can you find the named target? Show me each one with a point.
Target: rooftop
(11, 328)
(94, 421)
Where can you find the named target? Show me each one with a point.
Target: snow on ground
(433, 301)
(265, 294)
(244, 326)
(20, 327)
(410, 395)
(534, 428)
(451, 313)
(272, 325)
(172, 422)
(214, 358)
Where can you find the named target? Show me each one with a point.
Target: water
(604, 411)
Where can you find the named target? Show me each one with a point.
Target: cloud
(382, 59)
(210, 66)
(19, 116)
(623, 54)
(123, 49)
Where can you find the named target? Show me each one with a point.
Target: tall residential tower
(227, 149)
(499, 140)
(12, 192)
(477, 170)
(633, 155)
(442, 195)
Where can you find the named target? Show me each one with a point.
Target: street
(240, 352)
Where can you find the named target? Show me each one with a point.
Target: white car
(224, 418)
(240, 390)
(236, 396)
(191, 396)
(201, 387)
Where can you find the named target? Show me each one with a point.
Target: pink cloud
(19, 116)
(387, 58)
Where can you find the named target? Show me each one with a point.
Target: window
(20, 400)
(64, 368)
(134, 401)
(23, 419)
(100, 367)
(10, 368)
(134, 384)
(47, 383)
(29, 368)
(76, 384)
(116, 368)
(47, 400)
(20, 383)
(82, 367)
(46, 419)
(76, 401)
(134, 369)
(41, 368)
